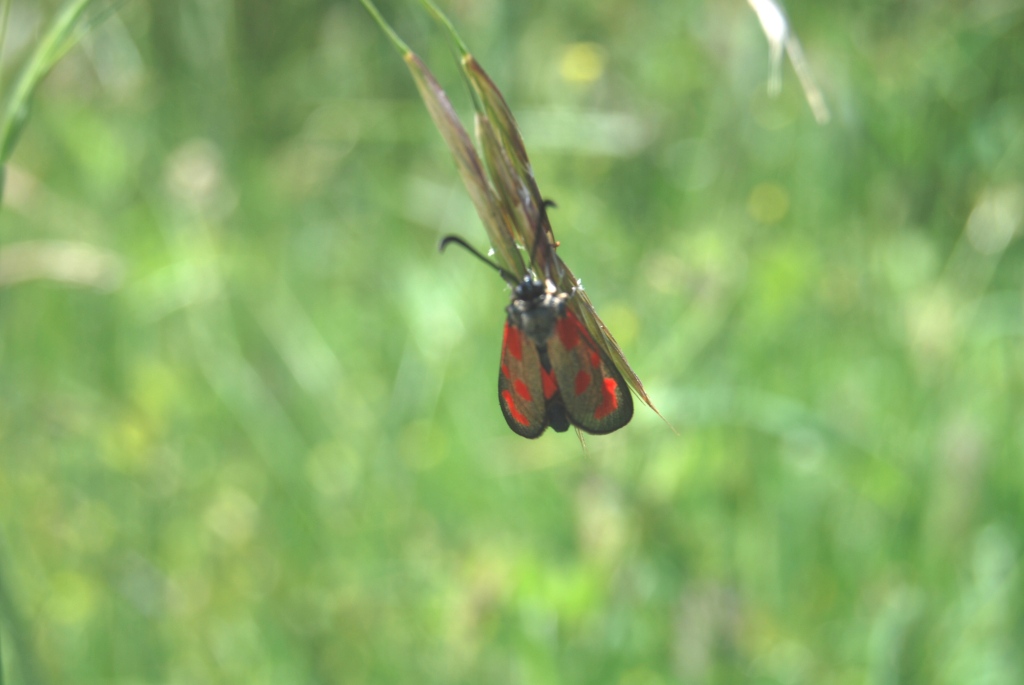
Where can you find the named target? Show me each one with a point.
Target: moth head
(531, 289)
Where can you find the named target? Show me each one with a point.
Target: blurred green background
(249, 430)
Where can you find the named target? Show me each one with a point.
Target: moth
(552, 372)
(567, 368)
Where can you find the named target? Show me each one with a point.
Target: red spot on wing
(595, 358)
(609, 399)
(582, 381)
(548, 381)
(522, 390)
(514, 412)
(513, 342)
(568, 333)
(504, 371)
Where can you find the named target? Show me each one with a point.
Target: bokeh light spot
(72, 599)
(232, 516)
(582, 63)
(995, 219)
(768, 203)
(334, 469)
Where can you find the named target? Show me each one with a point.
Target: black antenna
(445, 241)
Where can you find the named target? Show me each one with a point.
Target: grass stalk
(17, 630)
(62, 35)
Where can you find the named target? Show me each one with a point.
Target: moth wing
(596, 397)
(523, 385)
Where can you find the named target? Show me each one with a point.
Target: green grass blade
(59, 38)
(467, 160)
(503, 147)
(459, 46)
(488, 100)
(17, 629)
(500, 114)
(514, 196)
(442, 19)
(5, 12)
(399, 44)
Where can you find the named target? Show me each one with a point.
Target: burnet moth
(560, 364)
(552, 372)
